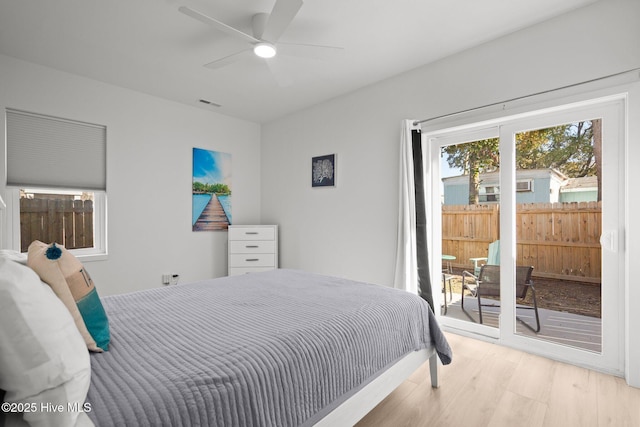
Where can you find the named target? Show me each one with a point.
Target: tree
(474, 158)
(597, 152)
(570, 149)
(574, 149)
(217, 188)
(532, 152)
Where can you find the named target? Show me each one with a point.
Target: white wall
(350, 231)
(149, 167)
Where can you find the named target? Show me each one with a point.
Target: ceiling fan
(264, 42)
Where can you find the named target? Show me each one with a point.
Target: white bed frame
(361, 403)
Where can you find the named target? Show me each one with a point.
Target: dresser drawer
(252, 246)
(252, 233)
(234, 271)
(252, 260)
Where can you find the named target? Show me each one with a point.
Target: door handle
(609, 240)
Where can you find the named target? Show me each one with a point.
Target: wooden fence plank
(561, 240)
(64, 221)
(67, 220)
(87, 218)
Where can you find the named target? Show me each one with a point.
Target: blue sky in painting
(211, 167)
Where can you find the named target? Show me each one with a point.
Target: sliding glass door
(467, 195)
(528, 212)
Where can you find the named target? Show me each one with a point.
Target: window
(63, 216)
(524, 186)
(489, 193)
(56, 177)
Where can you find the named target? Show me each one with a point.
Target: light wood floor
(491, 385)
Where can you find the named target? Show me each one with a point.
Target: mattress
(278, 348)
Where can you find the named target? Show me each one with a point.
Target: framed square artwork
(323, 171)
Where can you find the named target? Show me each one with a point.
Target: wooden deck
(212, 217)
(563, 328)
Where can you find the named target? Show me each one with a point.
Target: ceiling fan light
(264, 50)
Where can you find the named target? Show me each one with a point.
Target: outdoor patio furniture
(487, 284)
(493, 258)
(448, 259)
(447, 278)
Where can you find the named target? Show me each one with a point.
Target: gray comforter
(280, 348)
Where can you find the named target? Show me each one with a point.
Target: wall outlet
(170, 278)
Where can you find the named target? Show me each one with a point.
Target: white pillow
(43, 358)
(14, 256)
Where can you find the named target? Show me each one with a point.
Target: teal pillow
(95, 318)
(71, 282)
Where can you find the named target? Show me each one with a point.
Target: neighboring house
(532, 186)
(583, 189)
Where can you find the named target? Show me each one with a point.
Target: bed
(278, 348)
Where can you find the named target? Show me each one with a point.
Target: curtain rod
(417, 122)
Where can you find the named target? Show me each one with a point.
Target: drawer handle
(252, 259)
(251, 232)
(251, 246)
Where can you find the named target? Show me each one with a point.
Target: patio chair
(487, 284)
(493, 258)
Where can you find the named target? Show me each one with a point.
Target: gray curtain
(424, 278)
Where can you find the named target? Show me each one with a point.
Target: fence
(561, 240)
(67, 222)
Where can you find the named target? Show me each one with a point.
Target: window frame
(99, 249)
(484, 195)
(538, 115)
(529, 188)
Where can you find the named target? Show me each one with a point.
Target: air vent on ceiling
(213, 104)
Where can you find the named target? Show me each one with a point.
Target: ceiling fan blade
(281, 16)
(279, 72)
(217, 24)
(312, 51)
(219, 63)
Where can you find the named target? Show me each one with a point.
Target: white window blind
(46, 151)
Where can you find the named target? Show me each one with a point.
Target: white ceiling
(148, 46)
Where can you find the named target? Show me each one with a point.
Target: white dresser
(252, 248)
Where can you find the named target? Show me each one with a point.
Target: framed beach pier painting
(211, 190)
